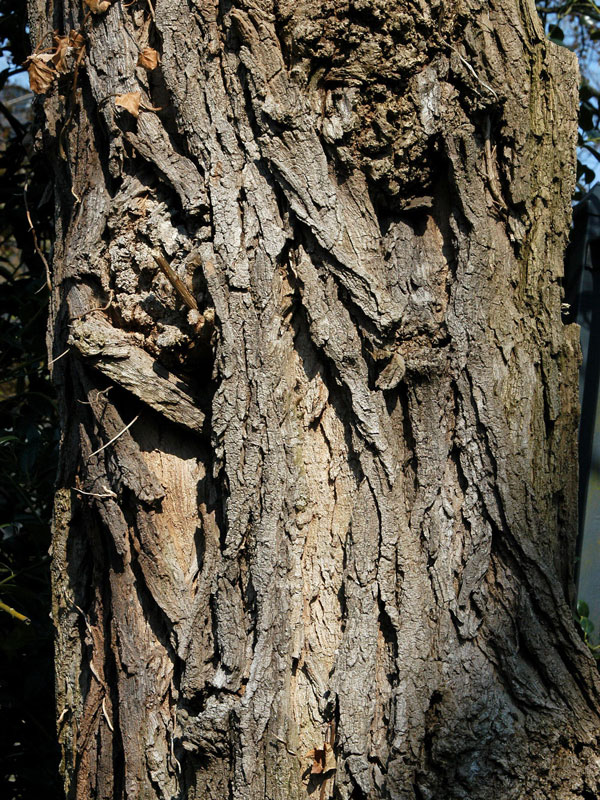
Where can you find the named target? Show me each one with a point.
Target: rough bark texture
(332, 556)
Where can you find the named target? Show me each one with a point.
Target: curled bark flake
(116, 356)
(392, 373)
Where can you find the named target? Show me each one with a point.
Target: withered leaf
(330, 762)
(76, 39)
(41, 72)
(323, 759)
(148, 59)
(59, 57)
(98, 6)
(130, 102)
(63, 44)
(318, 757)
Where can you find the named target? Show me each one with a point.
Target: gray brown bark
(332, 556)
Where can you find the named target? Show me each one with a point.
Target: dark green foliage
(589, 134)
(28, 452)
(587, 627)
(13, 19)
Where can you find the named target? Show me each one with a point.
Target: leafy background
(28, 444)
(28, 421)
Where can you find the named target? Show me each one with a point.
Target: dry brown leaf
(318, 757)
(98, 6)
(151, 108)
(330, 762)
(41, 72)
(130, 102)
(323, 759)
(74, 40)
(59, 58)
(148, 59)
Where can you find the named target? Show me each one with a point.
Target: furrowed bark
(332, 556)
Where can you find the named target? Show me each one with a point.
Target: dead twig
(99, 392)
(489, 167)
(464, 61)
(54, 360)
(98, 308)
(35, 239)
(109, 493)
(13, 613)
(114, 439)
(181, 289)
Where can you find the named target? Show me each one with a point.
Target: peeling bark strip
(333, 555)
(113, 353)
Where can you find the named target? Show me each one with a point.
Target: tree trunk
(314, 530)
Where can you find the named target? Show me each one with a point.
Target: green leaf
(583, 171)
(583, 609)
(556, 34)
(587, 626)
(587, 116)
(585, 92)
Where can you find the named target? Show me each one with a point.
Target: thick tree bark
(332, 556)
